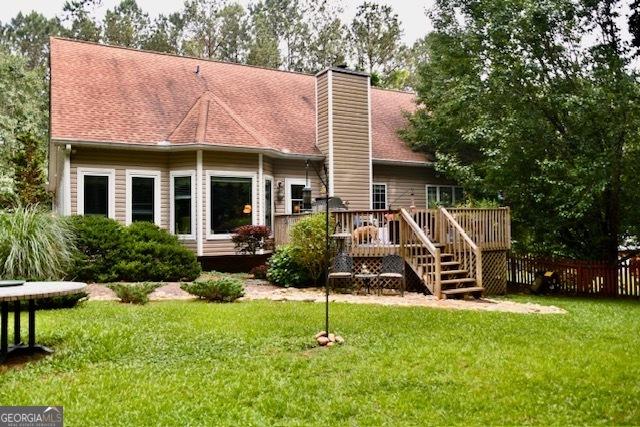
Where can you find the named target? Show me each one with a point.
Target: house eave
(166, 146)
(391, 162)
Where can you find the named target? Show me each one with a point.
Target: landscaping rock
(339, 339)
(320, 334)
(323, 341)
(332, 337)
(330, 343)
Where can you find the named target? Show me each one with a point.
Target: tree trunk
(612, 225)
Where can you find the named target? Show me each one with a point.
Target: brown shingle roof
(110, 94)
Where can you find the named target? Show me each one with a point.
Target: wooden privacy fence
(578, 277)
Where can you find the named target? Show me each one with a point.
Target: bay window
(231, 202)
(268, 202)
(183, 208)
(143, 196)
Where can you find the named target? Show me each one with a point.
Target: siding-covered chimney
(344, 133)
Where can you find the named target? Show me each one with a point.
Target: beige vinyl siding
(294, 169)
(120, 161)
(323, 113)
(182, 160)
(221, 161)
(403, 180)
(351, 151)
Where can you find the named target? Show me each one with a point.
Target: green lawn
(196, 363)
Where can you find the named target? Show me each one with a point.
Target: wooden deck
(443, 246)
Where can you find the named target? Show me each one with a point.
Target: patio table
(30, 291)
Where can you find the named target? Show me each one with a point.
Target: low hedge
(109, 252)
(225, 289)
(133, 293)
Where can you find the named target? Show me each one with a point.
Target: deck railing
(282, 227)
(420, 252)
(458, 243)
(490, 229)
(372, 232)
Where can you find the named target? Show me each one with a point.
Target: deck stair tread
(463, 290)
(457, 281)
(451, 272)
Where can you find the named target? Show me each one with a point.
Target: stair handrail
(476, 250)
(426, 242)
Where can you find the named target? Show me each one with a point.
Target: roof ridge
(175, 55)
(184, 118)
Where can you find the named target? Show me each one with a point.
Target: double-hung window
(294, 197)
(443, 195)
(143, 196)
(231, 201)
(183, 206)
(379, 196)
(96, 192)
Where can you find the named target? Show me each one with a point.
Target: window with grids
(379, 196)
(444, 195)
(297, 199)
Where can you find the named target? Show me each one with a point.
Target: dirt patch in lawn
(260, 290)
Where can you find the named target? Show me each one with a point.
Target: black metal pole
(327, 258)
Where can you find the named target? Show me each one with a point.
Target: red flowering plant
(249, 239)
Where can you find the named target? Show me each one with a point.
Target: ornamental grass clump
(225, 289)
(133, 293)
(34, 244)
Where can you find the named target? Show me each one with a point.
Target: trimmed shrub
(308, 238)
(99, 242)
(133, 293)
(34, 244)
(259, 272)
(109, 252)
(284, 270)
(248, 239)
(153, 254)
(225, 289)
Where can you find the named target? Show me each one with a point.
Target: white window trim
(288, 182)
(172, 213)
(386, 194)
(438, 187)
(111, 174)
(157, 203)
(254, 199)
(264, 200)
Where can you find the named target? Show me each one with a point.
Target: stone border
(261, 290)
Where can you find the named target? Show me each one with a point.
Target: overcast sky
(411, 12)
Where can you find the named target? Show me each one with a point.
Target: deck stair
(444, 257)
